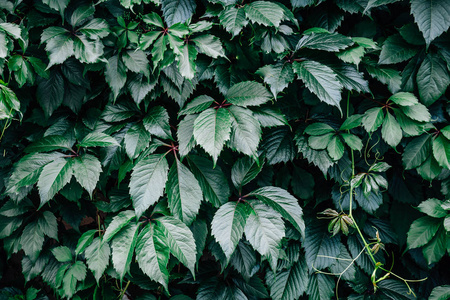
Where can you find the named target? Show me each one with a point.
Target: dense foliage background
(224, 149)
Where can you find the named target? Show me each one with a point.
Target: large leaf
(180, 241)
(248, 93)
(177, 11)
(432, 79)
(53, 178)
(332, 42)
(320, 247)
(391, 131)
(395, 50)
(209, 45)
(50, 93)
(422, 231)
(118, 222)
(417, 151)
(284, 203)
(87, 169)
(290, 283)
(277, 76)
(432, 17)
(98, 139)
(147, 182)
(157, 122)
(183, 192)
(122, 247)
(245, 131)
(50, 143)
(97, 257)
(136, 140)
(233, 19)
(211, 129)
(152, 255)
(320, 80)
(228, 225)
(264, 230)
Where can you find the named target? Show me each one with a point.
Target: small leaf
(332, 42)
(432, 207)
(391, 131)
(62, 254)
(53, 178)
(441, 151)
(97, 257)
(118, 222)
(318, 129)
(136, 140)
(98, 139)
(373, 118)
(404, 99)
(122, 247)
(49, 143)
(197, 105)
(245, 131)
(87, 169)
(277, 76)
(248, 93)
(157, 122)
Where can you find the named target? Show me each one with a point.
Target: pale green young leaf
(197, 105)
(264, 230)
(183, 192)
(248, 93)
(318, 129)
(233, 19)
(446, 132)
(50, 143)
(391, 131)
(153, 19)
(147, 182)
(351, 122)
(417, 112)
(62, 254)
(395, 50)
(422, 231)
(284, 203)
(87, 169)
(148, 38)
(118, 222)
(84, 241)
(373, 118)
(320, 142)
(211, 129)
(245, 131)
(335, 148)
(95, 29)
(97, 257)
(122, 247)
(404, 99)
(352, 55)
(264, 13)
(332, 42)
(98, 139)
(227, 226)
(269, 117)
(432, 17)
(441, 151)
(244, 170)
(157, 122)
(209, 45)
(136, 140)
(353, 141)
(53, 178)
(432, 79)
(211, 179)
(180, 241)
(152, 255)
(320, 80)
(433, 208)
(277, 76)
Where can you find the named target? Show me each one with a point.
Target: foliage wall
(223, 149)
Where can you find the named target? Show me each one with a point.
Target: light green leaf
(136, 140)
(209, 45)
(61, 47)
(319, 129)
(277, 76)
(248, 93)
(422, 231)
(245, 131)
(211, 179)
(148, 38)
(115, 74)
(417, 112)
(332, 42)
(352, 55)
(58, 5)
(391, 131)
(353, 141)
(290, 283)
(49, 143)
(284, 203)
(335, 148)
(183, 192)
(432, 17)
(233, 19)
(98, 139)
(264, 13)
(62, 254)
(395, 50)
(84, 241)
(436, 248)
(180, 241)
(197, 105)
(432, 79)
(404, 99)
(433, 208)
(320, 80)
(136, 61)
(264, 230)
(227, 226)
(53, 178)
(177, 11)
(153, 19)
(88, 51)
(416, 152)
(373, 118)
(122, 247)
(152, 255)
(76, 272)
(97, 257)
(441, 151)
(157, 122)
(147, 182)
(87, 169)
(440, 293)
(211, 129)
(185, 134)
(186, 62)
(320, 142)
(95, 29)
(118, 222)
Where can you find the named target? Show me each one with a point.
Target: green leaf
(321, 286)
(122, 247)
(98, 139)
(88, 51)
(50, 93)
(351, 122)
(264, 230)
(440, 293)
(60, 46)
(84, 241)
(391, 131)
(416, 152)
(269, 117)
(177, 11)
(432, 79)
(118, 222)
(395, 50)
(97, 257)
(282, 202)
(115, 74)
(388, 76)
(318, 129)
(49, 143)
(244, 170)
(278, 145)
(277, 76)
(441, 151)
(331, 42)
(147, 182)
(320, 142)
(436, 248)
(430, 169)
(186, 62)
(404, 99)
(157, 122)
(373, 118)
(136, 140)
(180, 241)
(335, 148)
(53, 178)
(432, 17)
(244, 260)
(264, 13)
(245, 131)
(320, 80)
(58, 5)
(48, 225)
(152, 255)
(32, 240)
(320, 247)
(432, 207)
(352, 55)
(290, 283)
(76, 272)
(211, 179)
(95, 29)
(422, 231)
(183, 193)
(211, 129)
(185, 134)
(417, 112)
(353, 141)
(62, 254)
(148, 38)
(197, 105)
(136, 61)
(209, 45)
(248, 93)
(87, 169)
(153, 19)
(233, 19)
(227, 226)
